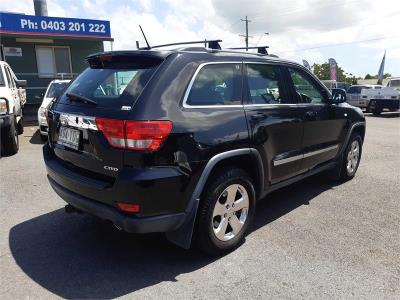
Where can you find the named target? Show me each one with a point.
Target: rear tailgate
(107, 89)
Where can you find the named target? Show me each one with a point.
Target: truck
(12, 101)
(373, 98)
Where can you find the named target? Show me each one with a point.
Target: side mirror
(20, 83)
(338, 96)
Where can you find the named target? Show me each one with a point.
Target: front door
(275, 121)
(324, 122)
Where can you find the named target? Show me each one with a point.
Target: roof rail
(212, 44)
(260, 49)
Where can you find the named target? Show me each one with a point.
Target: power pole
(246, 37)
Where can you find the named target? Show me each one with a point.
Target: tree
(322, 72)
(368, 76)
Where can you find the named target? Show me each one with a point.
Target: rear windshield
(357, 89)
(109, 87)
(55, 89)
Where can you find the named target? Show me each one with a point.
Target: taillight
(113, 130)
(135, 135)
(146, 135)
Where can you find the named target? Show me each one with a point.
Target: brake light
(129, 207)
(135, 135)
(146, 135)
(113, 130)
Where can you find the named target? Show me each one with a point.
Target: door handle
(311, 115)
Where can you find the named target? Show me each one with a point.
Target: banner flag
(333, 69)
(306, 64)
(381, 69)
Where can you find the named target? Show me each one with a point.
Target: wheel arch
(239, 157)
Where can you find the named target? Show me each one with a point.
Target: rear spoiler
(126, 59)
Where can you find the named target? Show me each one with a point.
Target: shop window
(53, 61)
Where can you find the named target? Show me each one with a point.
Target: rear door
(324, 122)
(106, 92)
(274, 119)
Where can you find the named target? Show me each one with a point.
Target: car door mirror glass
(339, 96)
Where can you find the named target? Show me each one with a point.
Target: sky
(354, 32)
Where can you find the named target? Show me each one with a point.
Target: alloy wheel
(352, 157)
(230, 212)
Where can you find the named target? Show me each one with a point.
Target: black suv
(186, 141)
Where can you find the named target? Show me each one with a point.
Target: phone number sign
(51, 26)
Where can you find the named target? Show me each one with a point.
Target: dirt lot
(315, 239)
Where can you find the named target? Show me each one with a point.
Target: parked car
(54, 89)
(373, 98)
(12, 101)
(185, 148)
(394, 82)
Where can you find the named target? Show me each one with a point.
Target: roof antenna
(148, 45)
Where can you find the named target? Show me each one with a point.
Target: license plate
(69, 137)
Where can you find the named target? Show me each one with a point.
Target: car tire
(10, 140)
(225, 212)
(351, 157)
(20, 126)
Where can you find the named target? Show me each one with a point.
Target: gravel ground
(315, 239)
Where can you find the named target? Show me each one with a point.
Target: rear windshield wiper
(78, 97)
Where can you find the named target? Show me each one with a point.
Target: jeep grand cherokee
(187, 141)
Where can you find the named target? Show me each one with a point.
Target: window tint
(110, 87)
(265, 85)
(307, 90)
(217, 84)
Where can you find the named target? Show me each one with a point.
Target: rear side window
(217, 84)
(110, 86)
(265, 84)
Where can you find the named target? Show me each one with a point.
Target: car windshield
(357, 89)
(55, 89)
(109, 87)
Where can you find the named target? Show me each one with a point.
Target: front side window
(217, 84)
(265, 84)
(306, 89)
(10, 79)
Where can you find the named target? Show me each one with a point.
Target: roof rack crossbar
(260, 49)
(212, 44)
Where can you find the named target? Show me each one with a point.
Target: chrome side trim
(301, 156)
(187, 92)
(321, 151)
(81, 122)
(287, 160)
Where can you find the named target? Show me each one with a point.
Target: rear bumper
(158, 192)
(129, 223)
